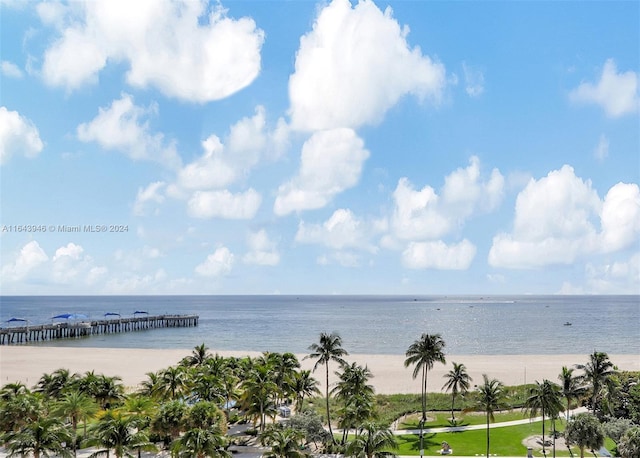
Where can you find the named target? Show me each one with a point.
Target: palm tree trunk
(487, 434)
(327, 392)
(453, 402)
(424, 394)
(543, 443)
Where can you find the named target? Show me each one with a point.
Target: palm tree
(303, 384)
(76, 406)
(372, 441)
(41, 437)
(20, 410)
(596, 373)
(544, 397)
(424, 353)
(172, 383)
(207, 415)
(629, 445)
(170, 420)
(490, 399)
(52, 385)
(458, 382)
(355, 394)
(259, 393)
(118, 433)
(200, 443)
(284, 442)
(585, 431)
(328, 349)
(570, 387)
(284, 366)
(198, 356)
(10, 390)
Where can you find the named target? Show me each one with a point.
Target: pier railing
(74, 329)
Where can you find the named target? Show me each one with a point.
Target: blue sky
(263, 147)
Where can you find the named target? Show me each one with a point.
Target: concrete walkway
(455, 429)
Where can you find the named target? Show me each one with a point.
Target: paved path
(455, 429)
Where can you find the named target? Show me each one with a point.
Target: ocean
(491, 325)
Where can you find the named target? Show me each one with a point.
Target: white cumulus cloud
(620, 217)
(187, 49)
(556, 222)
(152, 193)
(30, 257)
(616, 93)
(424, 214)
(18, 135)
(354, 65)
(439, 255)
(342, 230)
(10, 70)
(224, 204)
(331, 162)
(219, 263)
(123, 127)
(262, 250)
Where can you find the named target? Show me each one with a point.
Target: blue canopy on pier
(13, 320)
(138, 312)
(111, 314)
(70, 316)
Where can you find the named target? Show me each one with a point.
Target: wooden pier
(75, 329)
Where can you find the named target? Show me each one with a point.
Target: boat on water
(567, 323)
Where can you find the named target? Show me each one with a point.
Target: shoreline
(27, 364)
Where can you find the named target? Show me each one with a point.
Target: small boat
(567, 323)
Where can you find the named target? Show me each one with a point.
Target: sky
(303, 147)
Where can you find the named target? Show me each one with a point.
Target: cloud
(262, 251)
(152, 193)
(219, 263)
(31, 256)
(331, 162)
(10, 70)
(18, 135)
(186, 49)
(423, 214)
(342, 230)
(555, 222)
(602, 150)
(616, 93)
(616, 277)
(122, 127)
(354, 65)
(620, 217)
(224, 204)
(68, 263)
(439, 255)
(474, 80)
(223, 164)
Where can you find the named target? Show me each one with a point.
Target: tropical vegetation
(187, 408)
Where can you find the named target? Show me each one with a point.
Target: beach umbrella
(16, 320)
(70, 316)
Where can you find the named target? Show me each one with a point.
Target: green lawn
(441, 419)
(505, 441)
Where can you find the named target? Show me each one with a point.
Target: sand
(27, 364)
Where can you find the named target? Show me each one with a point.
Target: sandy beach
(27, 364)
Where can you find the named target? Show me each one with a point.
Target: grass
(505, 441)
(441, 419)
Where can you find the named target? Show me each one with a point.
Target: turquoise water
(367, 324)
